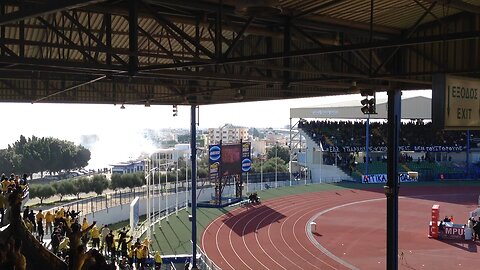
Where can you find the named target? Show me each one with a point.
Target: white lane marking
(310, 236)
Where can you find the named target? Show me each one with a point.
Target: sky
(114, 135)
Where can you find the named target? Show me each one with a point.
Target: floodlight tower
(369, 107)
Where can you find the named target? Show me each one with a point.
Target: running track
(273, 235)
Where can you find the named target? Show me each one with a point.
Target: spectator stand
(336, 140)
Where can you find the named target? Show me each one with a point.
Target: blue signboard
(246, 164)
(246, 157)
(214, 155)
(214, 152)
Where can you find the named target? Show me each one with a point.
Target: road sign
(456, 102)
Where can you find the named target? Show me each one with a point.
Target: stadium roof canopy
(219, 51)
(412, 108)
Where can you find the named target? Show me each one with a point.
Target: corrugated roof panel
(397, 14)
(390, 13)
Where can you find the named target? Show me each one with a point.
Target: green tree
(81, 185)
(202, 172)
(116, 181)
(6, 164)
(64, 188)
(183, 138)
(99, 183)
(129, 180)
(273, 164)
(279, 151)
(43, 154)
(135, 180)
(81, 157)
(42, 192)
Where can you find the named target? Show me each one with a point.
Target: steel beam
(169, 25)
(14, 88)
(133, 37)
(316, 23)
(317, 7)
(87, 67)
(42, 44)
(31, 11)
(329, 50)
(2, 29)
(319, 44)
(7, 50)
(410, 32)
(218, 31)
(286, 49)
(61, 35)
(237, 38)
(156, 42)
(107, 18)
(459, 4)
(99, 43)
(213, 76)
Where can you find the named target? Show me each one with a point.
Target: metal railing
(204, 263)
(256, 183)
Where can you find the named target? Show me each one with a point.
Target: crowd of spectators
(80, 245)
(412, 133)
(12, 191)
(85, 245)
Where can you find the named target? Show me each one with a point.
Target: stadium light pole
(247, 183)
(166, 189)
(306, 169)
(147, 180)
(160, 194)
(468, 154)
(290, 153)
(176, 186)
(153, 193)
(276, 164)
(367, 142)
(261, 172)
(186, 182)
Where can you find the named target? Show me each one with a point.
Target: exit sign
(456, 102)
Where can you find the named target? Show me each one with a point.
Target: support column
(467, 160)
(367, 146)
(193, 146)
(391, 189)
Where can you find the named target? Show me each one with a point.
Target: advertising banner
(214, 157)
(134, 213)
(382, 178)
(414, 148)
(246, 157)
(450, 231)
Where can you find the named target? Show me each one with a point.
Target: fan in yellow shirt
(85, 223)
(95, 234)
(49, 218)
(39, 216)
(158, 260)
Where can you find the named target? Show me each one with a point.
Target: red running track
(274, 235)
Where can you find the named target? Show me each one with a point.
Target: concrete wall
(328, 174)
(122, 212)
